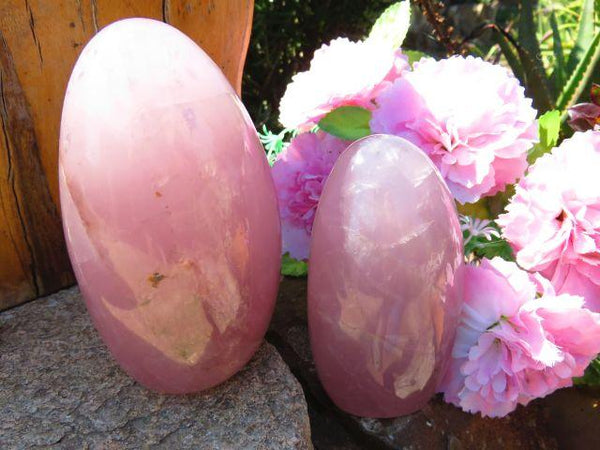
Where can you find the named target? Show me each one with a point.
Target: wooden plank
(39, 44)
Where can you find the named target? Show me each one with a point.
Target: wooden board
(40, 41)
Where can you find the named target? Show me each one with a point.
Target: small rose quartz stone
(383, 283)
(169, 208)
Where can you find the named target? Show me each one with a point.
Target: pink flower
(343, 73)
(471, 117)
(512, 347)
(553, 221)
(584, 116)
(300, 172)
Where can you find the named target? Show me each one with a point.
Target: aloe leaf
(536, 82)
(527, 28)
(510, 53)
(559, 74)
(530, 46)
(585, 35)
(579, 78)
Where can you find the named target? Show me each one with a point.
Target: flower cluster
(471, 117)
(299, 174)
(553, 221)
(529, 325)
(343, 73)
(513, 346)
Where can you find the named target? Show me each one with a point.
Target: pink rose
(553, 221)
(512, 346)
(343, 73)
(300, 172)
(471, 117)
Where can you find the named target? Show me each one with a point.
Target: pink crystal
(169, 208)
(383, 290)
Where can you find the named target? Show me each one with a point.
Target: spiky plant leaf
(529, 49)
(579, 77)
(585, 35)
(559, 74)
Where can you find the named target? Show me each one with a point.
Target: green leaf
(414, 56)
(392, 26)
(585, 35)
(580, 77)
(479, 246)
(559, 75)
(292, 267)
(490, 250)
(591, 377)
(347, 122)
(549, 130)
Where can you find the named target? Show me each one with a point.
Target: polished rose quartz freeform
(383, 283)
(169, 208)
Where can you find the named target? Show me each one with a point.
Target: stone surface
(567, 419)
(168, 206)
(383, 278)
(59, 388)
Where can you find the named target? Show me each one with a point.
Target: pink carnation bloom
(300, 172)
(471, 117)
(512, 347)
(343, 73)
(553, 221)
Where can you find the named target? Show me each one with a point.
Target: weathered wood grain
(40, 41)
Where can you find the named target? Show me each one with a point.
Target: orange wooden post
(39, 44)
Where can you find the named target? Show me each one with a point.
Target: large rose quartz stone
(383, 283)
(169, 208)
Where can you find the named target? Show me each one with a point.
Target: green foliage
(591, 377)
(559, 74)
(495, 247)
(557, 20)
(347, 122)
(585, 35)
(392, 25)
(414, 56)
(549, 131)
(274, 143)
(578, 80)
(482, 239)
(529, 49)
(292, 267)
(538, 58)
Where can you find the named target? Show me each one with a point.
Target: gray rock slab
(567, 419)
(59, 388)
